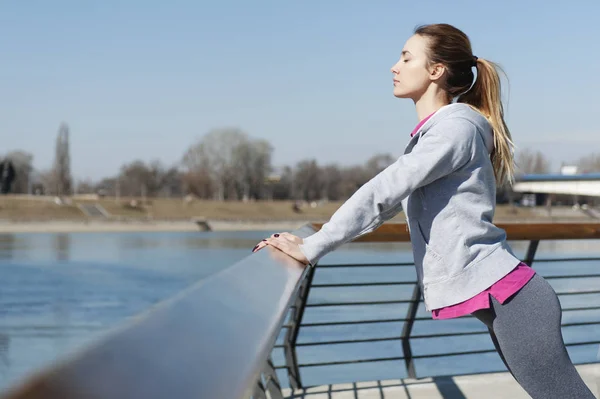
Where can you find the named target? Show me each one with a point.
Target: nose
(394, 69)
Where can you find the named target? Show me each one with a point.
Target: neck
(430, 102)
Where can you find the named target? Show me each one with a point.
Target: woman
(446, 184)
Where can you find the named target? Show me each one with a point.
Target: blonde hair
(452, 48)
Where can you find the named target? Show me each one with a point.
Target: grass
(25, 208)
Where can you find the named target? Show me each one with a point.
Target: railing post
(268, 383)
(259, 391)
(272, 385)
(407, 329)
(531, 250)
(291, 336)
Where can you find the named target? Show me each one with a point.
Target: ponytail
(485, 96)
(451, 47)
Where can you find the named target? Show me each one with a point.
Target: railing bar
(338, 265)
(386, 359)
(349, 341)
(384, 283)
(449, 334)
(476, 352)
(566, 259)
(583, 343)
(378, 283)
(382, 359)
(457, 334)
(582, 308)
(365, 265)
(420, 356)
(581, 323)
(424, 336)
(490, 351)
(577, 293)
(342, 323)
(572, 276)
(353, 322)
(314, 305)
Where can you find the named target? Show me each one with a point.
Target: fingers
(284, 245)
(259, 246)
(288, 236)
(292, 238)
(279, 238)
(279, 243)
(289, 248)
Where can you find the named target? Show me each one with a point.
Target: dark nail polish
(265, 239)
(276, 235)
(254, 249)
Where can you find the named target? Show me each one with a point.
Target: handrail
(215, 338)
(212, 340)
(398, 232)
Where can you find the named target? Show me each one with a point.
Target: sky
(146, 79)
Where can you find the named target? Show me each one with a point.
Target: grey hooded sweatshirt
(445, 183)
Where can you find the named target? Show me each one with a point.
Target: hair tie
(475, 61)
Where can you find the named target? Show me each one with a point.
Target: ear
(437, 71)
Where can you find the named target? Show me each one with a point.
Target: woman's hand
(285, 242)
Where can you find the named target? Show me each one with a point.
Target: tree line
(225, 164)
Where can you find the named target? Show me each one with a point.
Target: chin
(400, 94)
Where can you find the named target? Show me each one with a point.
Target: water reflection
(7, 245)
(61, 246)
(4, 361)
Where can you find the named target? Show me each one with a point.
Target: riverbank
(28, 214)
(97, 226)
(87, 226)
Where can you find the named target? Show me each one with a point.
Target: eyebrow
(404, 52)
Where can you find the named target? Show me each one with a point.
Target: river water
(60, 291)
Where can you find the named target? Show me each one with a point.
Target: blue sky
(146, 79)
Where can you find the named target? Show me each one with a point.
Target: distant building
(569, 170)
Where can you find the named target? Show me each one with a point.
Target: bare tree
(282, 188)
(590, 163)
(308, 181)
(62, 163)
(332, 179)
(213, 154)
(252, 161)
(107, 186)
(377, 163)
(140, 179)
(528, 162)
(85, 187)
(23, 166)
(198, 182)
(353, 178)
(235, 164)
(170, 182)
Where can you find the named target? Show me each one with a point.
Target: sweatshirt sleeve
(440, 151)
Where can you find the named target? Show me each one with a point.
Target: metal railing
(215, 339)
(398, 233)
(212, 340)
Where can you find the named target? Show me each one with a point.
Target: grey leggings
(527, 334)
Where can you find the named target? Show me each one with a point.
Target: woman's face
(411, 73)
